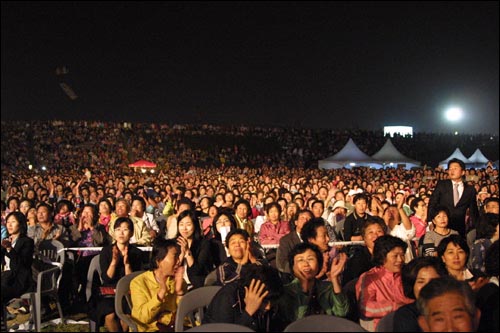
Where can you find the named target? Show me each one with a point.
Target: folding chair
(94, 268)
(195, 300)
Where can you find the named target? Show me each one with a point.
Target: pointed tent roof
(456, 154)
(389, 154)
(349, 154)
(478, 157)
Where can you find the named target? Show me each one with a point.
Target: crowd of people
(64, 146)
(284, 239)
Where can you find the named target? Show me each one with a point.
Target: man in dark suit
(457, 196)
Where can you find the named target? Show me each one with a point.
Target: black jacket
(21, 257)
(443, 195)
(228, 306)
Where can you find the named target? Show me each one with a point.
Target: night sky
(305, 64)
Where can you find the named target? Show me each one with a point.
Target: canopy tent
(389, 156)
(142, 164)
(477, 160)
(456, 154)
(348, 157)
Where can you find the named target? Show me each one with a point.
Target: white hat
(339, 204)
(354, 192)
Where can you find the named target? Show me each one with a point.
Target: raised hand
(338, 264)
(324, 269)
(254, 296)
(183, 244)
(125, 255)
(57, 234)
(6, 243)
(115, 255)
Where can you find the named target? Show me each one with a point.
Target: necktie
(456, 196)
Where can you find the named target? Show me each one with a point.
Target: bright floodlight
(454, 114)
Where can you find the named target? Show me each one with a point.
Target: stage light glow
(454, 114)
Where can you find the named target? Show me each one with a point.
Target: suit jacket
(287, 243)
(21, 258)
(443, 195)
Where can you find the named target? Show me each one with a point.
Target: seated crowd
(283, 242)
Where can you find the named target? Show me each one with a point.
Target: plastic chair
(194, 300)
(94, 268)
(52, 250)
(211, 278)
(323, 323)
(47, 284)
(386, 323)
(220, 327)
(123, 291)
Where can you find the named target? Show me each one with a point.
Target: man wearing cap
(481, 197)
(336, 220)
(349, 201)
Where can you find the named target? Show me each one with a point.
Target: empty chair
(123, 291)
(323, 323)
(46, 285)
(194, 301)
(386, 323)
(220, 327)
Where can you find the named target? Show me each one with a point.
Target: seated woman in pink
(273, 229)
(379, 291)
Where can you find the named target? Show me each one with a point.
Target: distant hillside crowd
(62, 146)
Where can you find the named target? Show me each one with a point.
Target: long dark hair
(197, 234)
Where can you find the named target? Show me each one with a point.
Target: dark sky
(309, 64)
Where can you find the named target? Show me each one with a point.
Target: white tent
(456, 154)
(348, 157)
(477, 160)
(390, 157)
